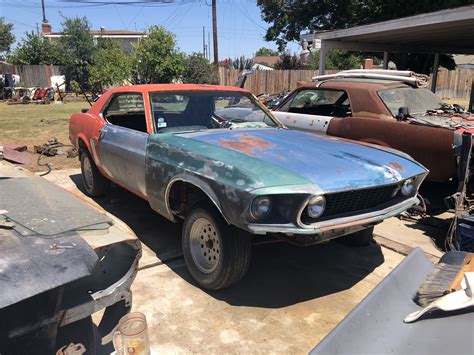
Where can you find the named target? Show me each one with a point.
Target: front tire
(361, 238)
(92, 180)
(217, 255)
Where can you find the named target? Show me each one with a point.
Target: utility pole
(44, 12)
(204, 42)
(214, 33)
(209, 46)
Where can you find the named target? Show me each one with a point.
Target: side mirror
(403, 113)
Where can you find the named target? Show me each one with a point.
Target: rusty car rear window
(418, 100)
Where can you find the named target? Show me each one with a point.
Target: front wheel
(217, 255)
(358, 239)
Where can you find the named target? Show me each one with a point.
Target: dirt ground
(291, 298)
(35, 124)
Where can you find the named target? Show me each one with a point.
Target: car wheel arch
(193, 188)
(83, 144)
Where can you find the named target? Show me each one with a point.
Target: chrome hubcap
(87, 173)
(205, 245)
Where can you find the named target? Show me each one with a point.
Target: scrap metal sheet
(376, 325)
(38, 206)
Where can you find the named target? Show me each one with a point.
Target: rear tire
(358, 239)
(94, 183)
(217, 255)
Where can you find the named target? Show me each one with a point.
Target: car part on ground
(461, 232)
(376, 325)
(180, 146)
(62, 254)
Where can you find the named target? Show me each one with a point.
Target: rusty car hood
(280, 156)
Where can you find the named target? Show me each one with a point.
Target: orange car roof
(175, 87)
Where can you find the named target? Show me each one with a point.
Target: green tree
(111, 66)
(289, 62)
(266, 52)
(6, 37)
(288, 19)
(157, 58)
(198, 70)
(36, 49)
(78, 49)
(336, 59)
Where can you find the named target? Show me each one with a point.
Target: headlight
(408, 187)
(261, 206)
(316, 206)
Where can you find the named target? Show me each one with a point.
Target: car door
(122, 141)
(313, 109)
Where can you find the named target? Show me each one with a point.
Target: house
(124, 37)
(266, 60)
(464, 61)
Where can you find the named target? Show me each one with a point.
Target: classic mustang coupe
(216, 158)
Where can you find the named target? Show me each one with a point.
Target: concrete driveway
(290, 299)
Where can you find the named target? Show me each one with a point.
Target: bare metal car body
(62, 261)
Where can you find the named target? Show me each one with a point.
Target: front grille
(353, 201)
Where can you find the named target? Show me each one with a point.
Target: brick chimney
(45, 27)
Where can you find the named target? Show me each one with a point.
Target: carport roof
(447, 31)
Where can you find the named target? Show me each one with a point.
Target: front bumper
(107, 287)
(337, 227)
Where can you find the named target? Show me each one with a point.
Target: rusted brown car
(381, 108)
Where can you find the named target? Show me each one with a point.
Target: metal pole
(214, 32)
(208, 46)
(204, 41)
(435, 72)
(44, 12)
(322, 58)
(385, 60)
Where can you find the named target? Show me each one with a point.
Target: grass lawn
(34, 124)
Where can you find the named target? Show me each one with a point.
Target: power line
(21, 23)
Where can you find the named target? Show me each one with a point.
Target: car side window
(319, 102)
(127, 110)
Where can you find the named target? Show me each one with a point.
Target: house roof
(445, 31)
(266, 59)
(105, 33)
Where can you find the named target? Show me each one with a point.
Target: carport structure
(448, 31)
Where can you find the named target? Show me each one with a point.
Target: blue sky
(240, 26)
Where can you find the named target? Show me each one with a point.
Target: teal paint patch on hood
(330, 163)
(218, 163)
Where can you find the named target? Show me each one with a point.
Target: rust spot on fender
(396, 166)
(247, 144)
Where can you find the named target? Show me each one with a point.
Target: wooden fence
(450, 84)
(454, 84)
(32, 75)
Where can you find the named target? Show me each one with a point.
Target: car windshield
(196, 110)
(418, 100)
